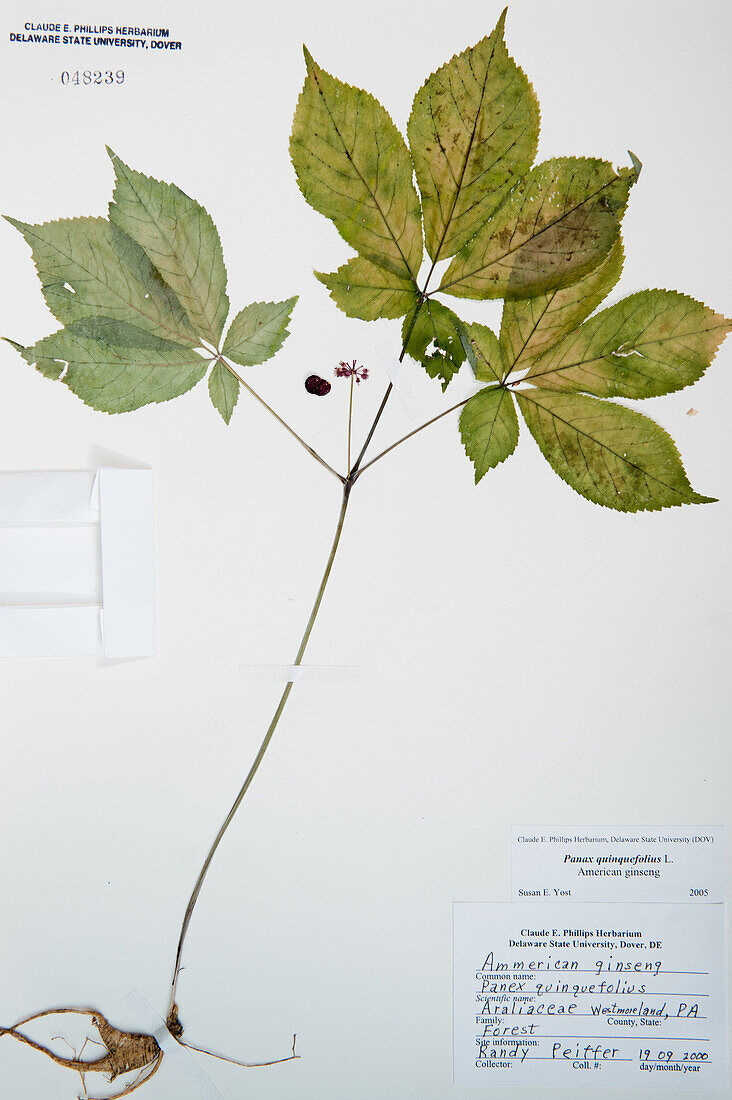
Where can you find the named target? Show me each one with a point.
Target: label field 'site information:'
(589, 994)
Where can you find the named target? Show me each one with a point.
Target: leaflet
(590, 995)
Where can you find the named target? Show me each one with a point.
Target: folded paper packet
(77, 564)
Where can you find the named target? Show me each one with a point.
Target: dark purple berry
(317, 385)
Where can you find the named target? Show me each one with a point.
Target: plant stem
(278, 418)
(262, 748)
(348, 483)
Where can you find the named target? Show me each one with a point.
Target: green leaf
(556, 225)
(87, 267)
(223, 389)
(181, 242)
(258, 331)
(609, 454)
(118, 378)
(136, 261)
(354, 167)
(430, 323)
(530, 326)
(473, 133)
(120, 334)
(489, 365)
(651, 343)
(489, 429)
(361, 289)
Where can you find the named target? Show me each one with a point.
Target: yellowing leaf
(489, 428)
(609, 454)
(116, 378)
(531, 326)
(181, 242)
(258, 331)
(223, 390)
(473, 133)
(556, 225)
(651, 343)
(361, 289)
(354, 167)
(489, 363)
(89, 267)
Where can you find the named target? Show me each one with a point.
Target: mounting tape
(398, 374)
(155, 1026)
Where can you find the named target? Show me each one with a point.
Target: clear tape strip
(154, 1025)
(314, 674)
(398, 375)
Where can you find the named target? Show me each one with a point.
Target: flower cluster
(348, 370)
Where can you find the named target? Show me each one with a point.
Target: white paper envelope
(77, 565)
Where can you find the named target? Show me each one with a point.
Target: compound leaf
(557, 224)
(363, 290)
(609, 454)
(651, 343)
(89, 267)
(180, 240)
(489, 428)
(531, 326)
(223, 390)
(121, 377)
(473, 133)
(353, 166)
(431, 334)
(258, 331)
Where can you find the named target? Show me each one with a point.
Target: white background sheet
(529, 656)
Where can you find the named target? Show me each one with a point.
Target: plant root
(247, 1065)
(126, 1051)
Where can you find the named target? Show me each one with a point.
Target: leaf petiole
(353, 471)
(415, 431)
(311, 451)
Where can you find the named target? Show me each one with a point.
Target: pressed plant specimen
(142, 299)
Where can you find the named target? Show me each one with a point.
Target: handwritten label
(595, 863)
(590, 995)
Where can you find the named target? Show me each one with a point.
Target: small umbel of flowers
(350, 370)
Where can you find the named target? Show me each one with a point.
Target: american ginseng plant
(141, 296)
